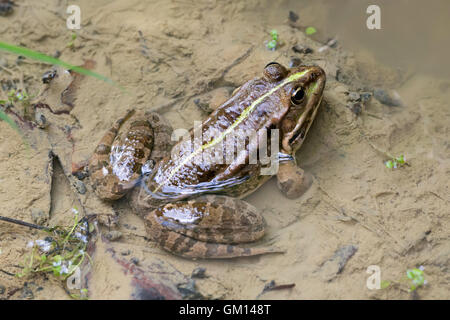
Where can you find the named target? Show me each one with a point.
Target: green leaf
(384, 284)
(272, 44)
(274, 34)
(50, 60)
(8, 120)
(389, 164)
(401, 159)
(310, 30)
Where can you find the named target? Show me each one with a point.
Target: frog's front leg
(207, 227)
(116, 164)
(292, 180)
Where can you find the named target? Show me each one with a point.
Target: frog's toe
(292, 180)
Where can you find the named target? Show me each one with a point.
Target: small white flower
(57, 263)
(30, 244)
(75, 211)
(81, 251)
(64, 270)
(80, 236)
(422, 268)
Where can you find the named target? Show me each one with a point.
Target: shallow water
(168, 54)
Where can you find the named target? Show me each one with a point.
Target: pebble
(354, 96)
(391, 99)
(6, 7)
(40, 119)
(126, 253)
(356, 108)
(365, 96)
(298, 48)
(135, 261)
(26, 293)
(293, 16)
(113, 235)
(80, 186)
(333, 266)
(81, 174)
(199, 273)
(189, 291)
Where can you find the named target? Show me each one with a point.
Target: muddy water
(168, 54)
(413, 33)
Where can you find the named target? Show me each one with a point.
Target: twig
(23, 223)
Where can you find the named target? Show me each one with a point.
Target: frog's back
(216, 154)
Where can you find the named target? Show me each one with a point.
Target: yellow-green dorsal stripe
(241, 118)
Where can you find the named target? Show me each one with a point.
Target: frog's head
(301, 93)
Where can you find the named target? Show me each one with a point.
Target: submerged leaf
(310, 30)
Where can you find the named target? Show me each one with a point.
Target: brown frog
(190, 198)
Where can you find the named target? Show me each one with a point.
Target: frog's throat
(293, 77)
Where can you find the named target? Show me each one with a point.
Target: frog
(190, 193)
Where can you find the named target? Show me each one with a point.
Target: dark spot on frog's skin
(139, 154)
(211, 249)
(162, 237)
(177, 243)
(137, 167)
(244, 221)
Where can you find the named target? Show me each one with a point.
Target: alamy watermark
(374, 20)
(73, 22)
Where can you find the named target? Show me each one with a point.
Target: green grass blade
(50, 60)
(8, 120)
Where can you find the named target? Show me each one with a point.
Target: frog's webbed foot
(207, 227)
(292, 181)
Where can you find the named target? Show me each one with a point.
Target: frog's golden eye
(298, 95)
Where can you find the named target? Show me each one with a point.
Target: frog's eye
(271, 63)
(298, 95)
(274, 71)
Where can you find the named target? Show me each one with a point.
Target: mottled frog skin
(189, 194)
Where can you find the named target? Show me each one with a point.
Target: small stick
(23, 223)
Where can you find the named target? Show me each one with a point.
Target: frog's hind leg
(208, 227)
(127, 156)
(162, 132)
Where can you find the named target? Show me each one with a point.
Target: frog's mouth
(292, 140)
